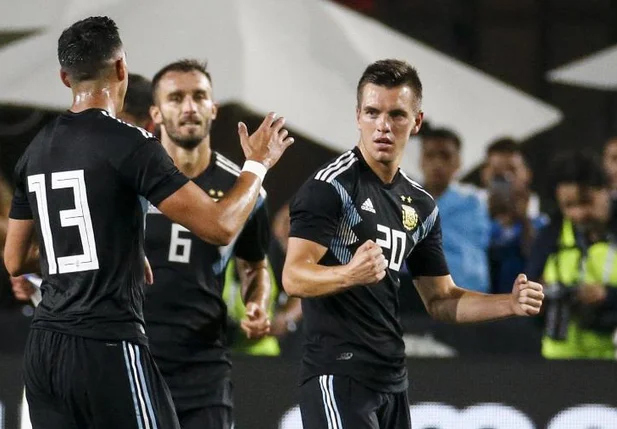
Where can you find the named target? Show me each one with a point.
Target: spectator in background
(575, 256)
(464, 216)
(610, 164)
(514, 212)
(136, 110)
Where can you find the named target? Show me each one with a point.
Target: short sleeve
(314, 212)
(253, 242)
(427, 258)
(20, 207)
(151, 172)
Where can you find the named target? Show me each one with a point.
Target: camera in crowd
(561, 304)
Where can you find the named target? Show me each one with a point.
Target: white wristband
(257, 168)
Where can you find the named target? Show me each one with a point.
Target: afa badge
(410, 217)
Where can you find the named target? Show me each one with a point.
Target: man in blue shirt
(464, 216)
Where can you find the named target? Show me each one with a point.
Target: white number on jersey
(396, 241)
(177, 244)
(79, 217)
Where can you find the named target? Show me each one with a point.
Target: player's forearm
(256, 285)
(306, 280)
(465, 306)
(235, 208)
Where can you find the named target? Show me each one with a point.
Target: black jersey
(185, 312)
(357, 332)
(80, 180)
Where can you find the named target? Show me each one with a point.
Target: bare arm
(447, 302)
(20, 249)
(214, 222)
(218, 222)
(256, 295)
(255, 281)
(304, 277)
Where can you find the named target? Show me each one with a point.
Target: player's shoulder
(228, 171)
(342, 168)
(123, 129)
(415, 189)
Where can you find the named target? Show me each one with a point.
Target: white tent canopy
(301, 59)
(596, 71)
(26, 15)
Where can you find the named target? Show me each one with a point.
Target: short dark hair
(86, 46)
(505, 145)
(390, 73)
(443, 134)
(579, 167)
(184, 66)
(138, 97)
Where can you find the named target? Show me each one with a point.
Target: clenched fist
(527, 296)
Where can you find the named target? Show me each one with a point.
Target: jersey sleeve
(253, 242)
(20, 207)
(427, 258)
(151, 172)
(314, 212)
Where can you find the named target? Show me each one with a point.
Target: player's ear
(155, 114)
(64, 77)
(358, 117)
(215, 110)
(418, 122)
(121, 70)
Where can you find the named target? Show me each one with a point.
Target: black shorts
(339, 402)
(215, 417)
(74, 382)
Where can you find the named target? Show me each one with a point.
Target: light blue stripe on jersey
(344, 235)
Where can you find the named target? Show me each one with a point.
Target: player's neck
(191, 162)
(88, 96)
(385, 171)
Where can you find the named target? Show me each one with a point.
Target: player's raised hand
(256, 324)
(368, 265)
(267, 144)
(527, 296)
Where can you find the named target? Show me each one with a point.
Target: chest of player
(390, 217)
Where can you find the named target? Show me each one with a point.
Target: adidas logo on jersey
(367, 206)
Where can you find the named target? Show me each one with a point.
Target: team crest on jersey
(410, 217)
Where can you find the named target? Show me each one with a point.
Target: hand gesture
(368, 265)
(256, 324)
(267, 144)
(527, 296)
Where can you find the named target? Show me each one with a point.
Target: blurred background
(508, 87)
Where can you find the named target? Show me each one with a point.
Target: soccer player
(78, 184)
(185, 313)
(353, 224)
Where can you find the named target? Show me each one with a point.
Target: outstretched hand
(267, 144)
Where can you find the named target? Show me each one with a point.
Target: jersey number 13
(78, 216)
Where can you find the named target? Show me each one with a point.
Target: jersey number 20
(396, 241)
(79, 217)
